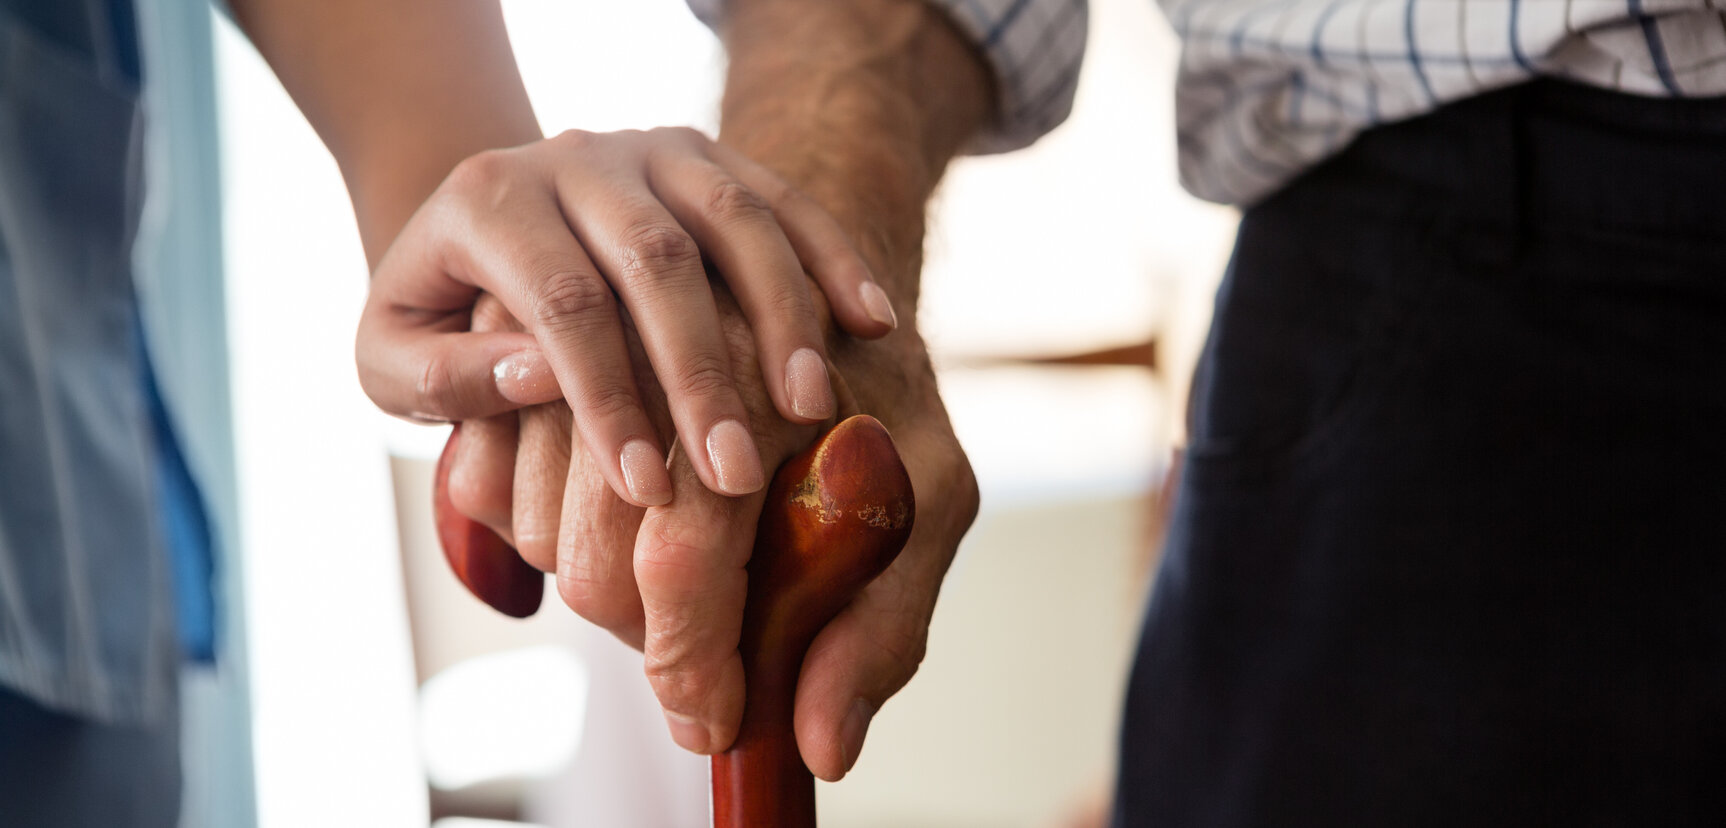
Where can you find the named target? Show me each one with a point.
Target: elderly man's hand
(859, 104)
(670, 580)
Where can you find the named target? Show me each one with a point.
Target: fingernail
(686, 732)
(851, 733)
(735, 460)
(644, 473)
(525, 378)
(807, 385)
(877, 305)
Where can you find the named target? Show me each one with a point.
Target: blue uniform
(101, 522)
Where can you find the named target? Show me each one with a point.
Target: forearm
(399, 90)
(861, 104)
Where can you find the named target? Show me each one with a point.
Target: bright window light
(510, 715)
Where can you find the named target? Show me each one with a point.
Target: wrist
(899, 69)
(390, 177)
(866, 124)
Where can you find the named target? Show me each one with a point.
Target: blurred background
(382, 695)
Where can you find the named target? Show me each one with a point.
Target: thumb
(867, 654)
(414, 370)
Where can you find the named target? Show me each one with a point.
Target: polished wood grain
(836, 516)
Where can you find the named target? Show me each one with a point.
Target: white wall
(331, 673)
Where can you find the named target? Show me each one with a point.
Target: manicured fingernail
(686, 732)
(851, 733)
(807, 385)
(525, 378)
(877, 305)
(735, 461)
(644, 473)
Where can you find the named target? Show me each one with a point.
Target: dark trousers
(59, 771)
(1450, 547)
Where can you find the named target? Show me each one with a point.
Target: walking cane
(836, 516)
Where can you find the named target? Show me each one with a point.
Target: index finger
(689, 565)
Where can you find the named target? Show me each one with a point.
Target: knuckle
(692, 607)
(592, 597)
(481, 172)
(478, 193)
(677, 562)
(703, 374)
(608, 401)
(438, 387)
(537, 548)
(669, 566)
(685, 679)
(789, 299)
(732, 201)
(575, 139)
(679, 686)
(473, 496)
(569, 298)
(652, 247)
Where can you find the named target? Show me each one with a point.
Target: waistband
(1544, 154)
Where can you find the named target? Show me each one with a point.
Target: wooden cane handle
(836, 516)
(486, 563)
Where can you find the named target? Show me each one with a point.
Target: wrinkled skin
(670, 580)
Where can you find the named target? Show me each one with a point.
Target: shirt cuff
(1034, 47)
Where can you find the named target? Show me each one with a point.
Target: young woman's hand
(583, 234)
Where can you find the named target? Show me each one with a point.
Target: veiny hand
(560, 229)
(670, 580)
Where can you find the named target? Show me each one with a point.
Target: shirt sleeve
(1034, 47)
